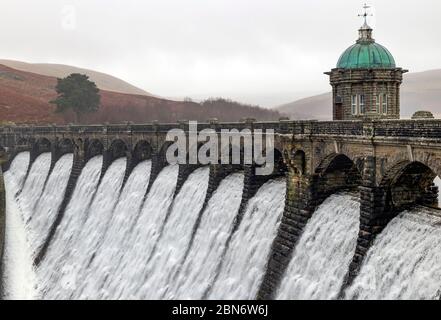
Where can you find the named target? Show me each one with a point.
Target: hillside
(102, 80)
(25, 96)
(419, 91)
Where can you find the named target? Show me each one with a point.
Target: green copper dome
(366, 53)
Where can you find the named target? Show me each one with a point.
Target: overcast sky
(257, 51)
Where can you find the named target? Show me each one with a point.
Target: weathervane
(365, 14)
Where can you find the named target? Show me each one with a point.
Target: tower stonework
(366, 82)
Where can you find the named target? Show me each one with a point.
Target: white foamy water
(102, 273)
(405, 260)
(244, 264)
(47, 206)
(198, 270)
(18, 274)
(33, 186)
(321, 258)
(55, 270)
(18, 169)
(176, 236)
(130, 273)
(92, 232)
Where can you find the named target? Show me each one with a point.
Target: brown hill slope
(420, 91)
(25, 96)
(102, 80)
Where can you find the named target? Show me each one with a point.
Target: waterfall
(129, 274)
(55, 270)
(322, 256)
(176, 235)
(33, 186)
(244, 264)
(198, 270)
(47, 206)
(17, 172)
(405, 260)
(93, 228)
(115, 245)
(120, 243)
(18, 274)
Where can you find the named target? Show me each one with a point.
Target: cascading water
(404, 261)
(244, 264)
(112, 251)
(47, 206)
(176, 235)
(17, 172)
(91, 234)
(119, 244)
(321, 258)
(198, 270)
(33, 186)
(18, 275)
(55, 271)
(129, 274)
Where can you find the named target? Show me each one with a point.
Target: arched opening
(118, 149)
(142, 151)
(43, 145)
(22, 142)
(409, 183)
(337, 172)
(94, 148)
(279, 163)
(65, 146)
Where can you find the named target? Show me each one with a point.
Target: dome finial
(365, 15)
(365, 30)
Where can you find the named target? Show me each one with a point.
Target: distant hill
(25, 97)
(419, 91)
(102, 80)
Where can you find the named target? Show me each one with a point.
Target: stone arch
(23, 142)
(408, 183)
(65, 146)
(280, 167)
(337, 172)
(142, 151)
(117, 149)
(43, 145)
(94, 147)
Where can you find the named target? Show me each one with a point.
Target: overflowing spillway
(18, 273)
(47, 206)
(142, 239)
(55, 284)
(102, 270)
(405, 260)
(176, 236)
(34, 184)
(244, 265)
(324, 252)
(199, 267)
